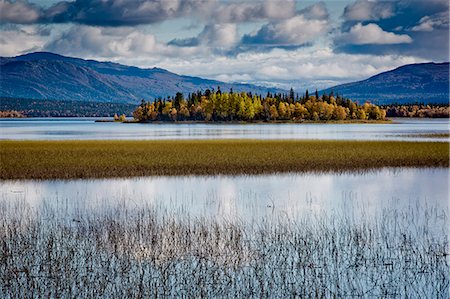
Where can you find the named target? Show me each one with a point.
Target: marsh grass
(94, 159)
(142, 253)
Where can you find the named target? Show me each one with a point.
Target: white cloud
(372, 34)
(305, 67)
(279, 9)
(18, 12)
(429, 23)
(297, 30)
(104, 42)
(236, 12)
(18, 41)
(219, 35)
(234, 77)
(365, 10)
(316, 11)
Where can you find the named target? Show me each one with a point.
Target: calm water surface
(248, 198)
(86, 128)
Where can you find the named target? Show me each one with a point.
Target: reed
(95, 159)
(142, 253)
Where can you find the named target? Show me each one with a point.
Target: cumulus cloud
(282, 50)
(125, 12)
(220, 35)
(104, 42)
(372, 34)
(365, 10)
(279, 9)
(136, 12)
(217, 37)
(436, 21)
(236, 12)
(317, 11)
(418, 25)
(302, 29)
(19, 11)
(297, 30)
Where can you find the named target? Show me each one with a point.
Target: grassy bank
(93, 159)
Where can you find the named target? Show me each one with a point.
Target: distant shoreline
(386, 121)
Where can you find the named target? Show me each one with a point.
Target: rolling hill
(44, 75)
(423, 83)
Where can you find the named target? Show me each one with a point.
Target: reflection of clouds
(226, 206)
(245, 197)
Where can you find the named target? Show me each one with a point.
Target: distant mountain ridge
(44, 75)
(423, 83)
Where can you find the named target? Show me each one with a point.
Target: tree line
(417, 110)
(212, 105)
(64, 108)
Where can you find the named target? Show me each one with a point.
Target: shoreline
(387, 121)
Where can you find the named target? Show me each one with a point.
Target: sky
(283, 43)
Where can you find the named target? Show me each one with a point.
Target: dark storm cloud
(102, 12)
(19, 12)
(405, 27)
(123, 12)
(137, 12)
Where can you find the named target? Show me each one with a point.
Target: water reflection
(245, 197)
(86, 128)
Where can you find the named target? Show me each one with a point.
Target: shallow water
(87, 128)
(249, 198)
(376, 234)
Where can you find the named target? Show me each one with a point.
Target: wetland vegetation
(146, 253)
(91, 159)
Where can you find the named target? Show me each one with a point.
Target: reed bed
(95, 159)
(142, 253)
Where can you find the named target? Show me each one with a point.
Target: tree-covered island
(244, 106)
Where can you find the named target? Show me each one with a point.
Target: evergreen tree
(178, 99)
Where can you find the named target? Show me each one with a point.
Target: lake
(248, 198)
(375, 234)
(87, 128)
(380, 233)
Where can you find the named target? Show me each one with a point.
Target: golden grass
(95, 159)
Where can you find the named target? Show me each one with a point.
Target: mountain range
(422, 83)
(49, 76)
(44, 75)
